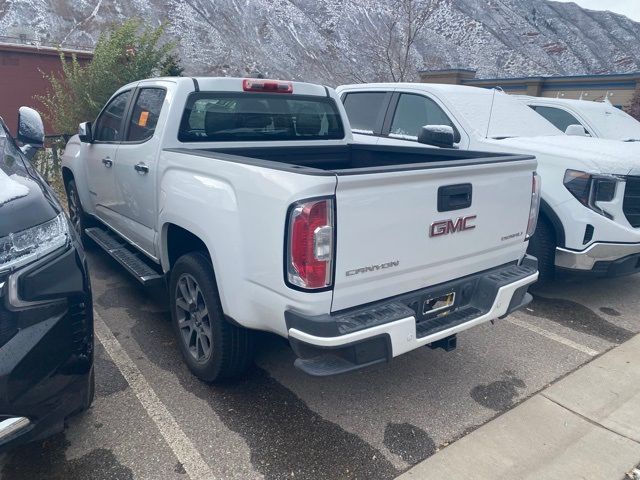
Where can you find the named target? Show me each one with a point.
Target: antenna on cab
(493, 98)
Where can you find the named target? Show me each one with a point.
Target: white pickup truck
(249, 198)
(590, 205)
(586, 118)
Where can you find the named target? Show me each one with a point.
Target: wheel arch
(547, 212)
(67, 175)
(177, 241)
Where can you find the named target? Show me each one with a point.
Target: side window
(109, 123)
(558, 117)
(366, 111)
(414, 112)
(146, 111)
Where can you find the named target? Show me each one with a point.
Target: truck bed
(350, 158)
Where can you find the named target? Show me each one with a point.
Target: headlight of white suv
(589, 189)
(26, 246)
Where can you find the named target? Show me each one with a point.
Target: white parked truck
(249, 198)
(590, 202)
(586, 118)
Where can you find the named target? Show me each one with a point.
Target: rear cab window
(230, 116)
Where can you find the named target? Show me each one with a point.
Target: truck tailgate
(391, 237)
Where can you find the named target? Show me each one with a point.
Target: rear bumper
(601, 259)
(356, 338)
(46, 347)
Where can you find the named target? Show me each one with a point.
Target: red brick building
(21, 77)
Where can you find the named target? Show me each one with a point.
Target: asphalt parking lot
(153, 420)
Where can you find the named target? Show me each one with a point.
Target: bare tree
(634, 107)
(387, 38)
(402, 27)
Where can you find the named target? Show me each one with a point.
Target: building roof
(449, 70)
(561, 78)
(42, 49)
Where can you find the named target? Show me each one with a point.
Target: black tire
(231, 347)
(543, 246)
(79, 219)
(91, 394)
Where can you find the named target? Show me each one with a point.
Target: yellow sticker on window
(144, 117)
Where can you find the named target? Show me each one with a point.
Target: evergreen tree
(171, 66)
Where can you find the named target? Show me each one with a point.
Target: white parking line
(177, 440)
(554, 336)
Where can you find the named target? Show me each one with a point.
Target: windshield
(228, 117)
(11, 160)
(507, 118)
(611, 122)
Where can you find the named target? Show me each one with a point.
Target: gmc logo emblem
(445, 227)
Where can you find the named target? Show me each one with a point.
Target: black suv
(46, 313)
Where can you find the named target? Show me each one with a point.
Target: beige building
(618, 88)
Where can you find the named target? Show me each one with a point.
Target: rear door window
(366, 111)
(414, 112)
(144, 116)
(561, 119)
(228, 117)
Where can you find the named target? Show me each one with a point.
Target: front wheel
(79, 219)
(212, 347)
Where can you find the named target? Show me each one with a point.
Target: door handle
(107, 162)
(141, 168)
(455, 197)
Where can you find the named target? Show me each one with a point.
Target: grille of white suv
(631, 205)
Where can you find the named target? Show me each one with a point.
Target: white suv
(590, 209)
(586, 118)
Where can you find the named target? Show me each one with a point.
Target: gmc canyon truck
(249, 199)
(590, 205)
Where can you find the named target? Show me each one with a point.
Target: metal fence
(47, 161)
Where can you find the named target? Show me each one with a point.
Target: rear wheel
(543, 246)
(79, 219)
(212, 347)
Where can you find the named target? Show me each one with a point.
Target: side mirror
(576, 131)
(437, 135)
(30, 128)
(85, 132)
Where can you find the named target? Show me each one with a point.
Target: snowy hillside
(321, 40)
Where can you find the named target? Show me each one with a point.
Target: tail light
(310, 248)
(535, 205)
(271, 86)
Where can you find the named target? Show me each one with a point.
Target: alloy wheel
(193, 318)
(74, 210)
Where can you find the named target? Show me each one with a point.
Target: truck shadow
(284, 436)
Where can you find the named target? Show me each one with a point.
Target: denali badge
(445, 227)
(373, 268)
